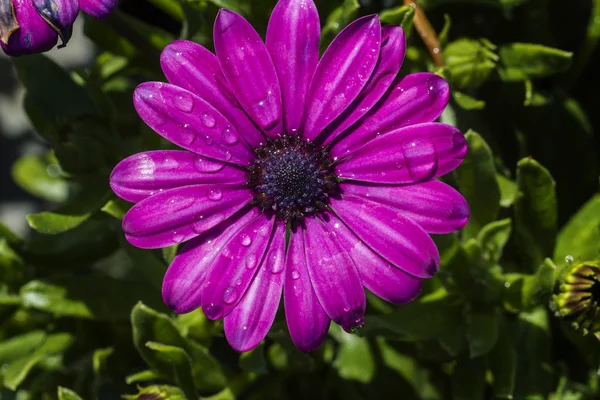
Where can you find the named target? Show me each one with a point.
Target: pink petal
(247, 65)
(435, 206)
(249, 322)
(333, 275)
(190, 122)
(408, 155)
(393, 48)
(390, 234)
(143, 174)
(342, 73)
(177, 215)
(192, 67)
(415, 99)
(293, 42)
(306, 320)
(379, 276)
(183, 281)
(235, 267)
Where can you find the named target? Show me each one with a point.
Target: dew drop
(227, 156)
(215, 194)
(208, 140)
(184, 102)
(208, 120)
(420, 158)
(276, 265)
(251, 261)
(295, 274)
(178, 203)
(230, 137)
(207, 165)
(177, 238)
(238, 282)
(212, 311)
(230, 295)
(245, 239)
(569, 259)
(399, 165)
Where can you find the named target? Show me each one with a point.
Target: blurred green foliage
(80, 310)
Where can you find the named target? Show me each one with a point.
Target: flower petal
(247, 65)
(306, 320)
(33, 36)
(190, 122)
(393, 48)
(293, 42)
(333, 275)
(177, 215)
(342, 73)
(60, 15)
(379, 276)
(408, 155)
(435, 206)
(393, 236)
(249, 322)
(183, 281)
(143, 174)
(192, 67)
(415, 99)
(98, 8)
(235, 267)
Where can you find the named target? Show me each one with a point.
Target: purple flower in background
(34, 26)
(337, 154)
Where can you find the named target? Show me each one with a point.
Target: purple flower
(338, 155)
(98, 8)
(34, 26)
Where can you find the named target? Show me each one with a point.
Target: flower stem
(427, 33)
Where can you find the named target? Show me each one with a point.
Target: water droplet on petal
(212, 311)
(230, 137)
(227, 156)
(208, 140)
(215, 194)
(204, 165)
(295, 274)
(178, 203)
(399, 165)
(208, 120)
(420, 158)
(230, 295)
(177, 238)
(276, 266)
(184, 102)
(238, 282)
(251, 261)
(245, 239)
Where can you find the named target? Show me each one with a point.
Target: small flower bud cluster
(578, 297)
(34, 26)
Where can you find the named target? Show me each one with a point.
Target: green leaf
(354, 360)
(181, 365)
(476, 178)
(100, 360)
(538, 287)
(239, 6)
(67, 394)
(150, 326)
(493, 237)
(580, 237)
(142, 376)
(20, 346)
(162, 392)
(402, 16)
(18, 370)
(38, 175)
(467, 102)
(508, 190)
(89, 297)
(482, 332)
(150, 267)
(470, 62)
(8, 234)
(502, 362)
(337, 20)
(170, 7)
(254, 361)
(522, 61)
(53, 223)
(535, 213)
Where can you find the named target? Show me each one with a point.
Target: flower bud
(578, 297)
(33, 26)
(98, 8)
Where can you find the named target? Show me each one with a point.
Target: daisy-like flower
(307, 177)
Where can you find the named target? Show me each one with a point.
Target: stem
(427, 33)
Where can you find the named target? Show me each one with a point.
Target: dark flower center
(595, 291)
(292, 177)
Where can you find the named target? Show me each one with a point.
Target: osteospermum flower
(34, 26)
(337, 154)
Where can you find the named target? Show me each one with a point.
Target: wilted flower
(337, 154)
(578, 298)
(34, 26)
